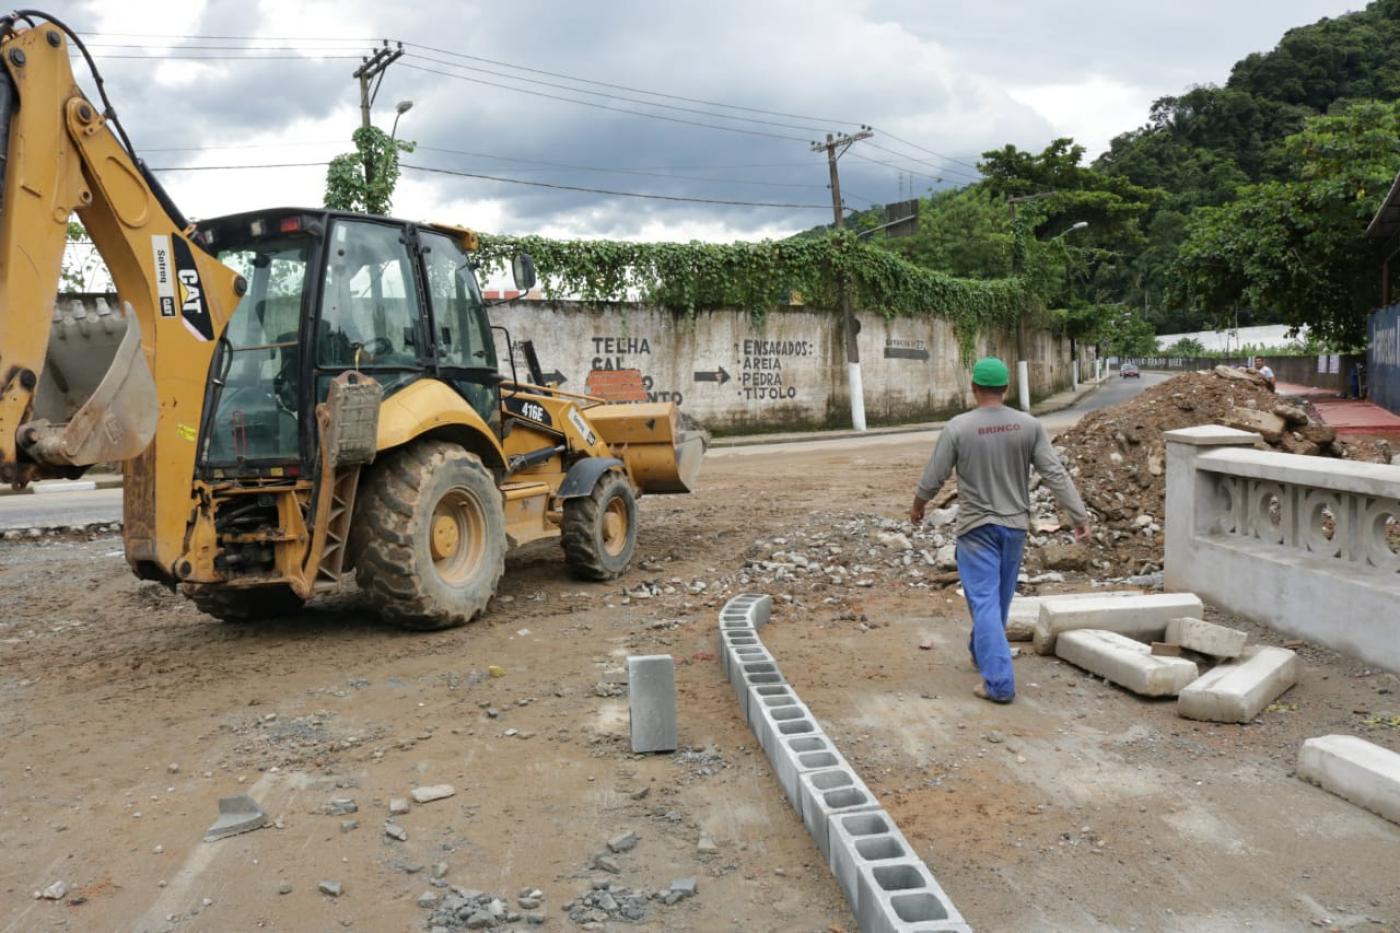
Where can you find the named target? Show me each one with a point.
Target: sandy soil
(1095, 810)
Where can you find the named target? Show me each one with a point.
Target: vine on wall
(763, 276)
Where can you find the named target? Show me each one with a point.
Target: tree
(347, 188)
(964, 232)
(1186, 346)
(1295, 248)
(1125, 332)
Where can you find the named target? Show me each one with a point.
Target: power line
(610, 192)
(942, 167)
(231, 58)
(598, 106)
(229, 168)
(929, 151)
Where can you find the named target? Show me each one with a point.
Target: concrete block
(1355, 770)
(795, 754)
(827, 794)
(735, 657)
(756, 608)
(1206, 637)
(1142, 617)
(768, 719)
(1128, 663)
(238, 814)
(858, 839)
(760, 697)
(1025, 610)
(1239, 691)
(651, 702)
(902, 895)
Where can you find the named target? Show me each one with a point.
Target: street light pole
(401, 108)
(835, 147)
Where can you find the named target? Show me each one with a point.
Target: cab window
(461, 337)
(371, 313)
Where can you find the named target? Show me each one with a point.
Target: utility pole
(835, 147)
(371, 72)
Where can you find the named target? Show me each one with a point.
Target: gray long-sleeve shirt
(992, 450)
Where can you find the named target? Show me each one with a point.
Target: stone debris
(429, 794)
(331, 888)
(623, 843)
(398, 805)
(465, 909)
(341, 806)
(395, 831)
(238, 814)
(54, 892)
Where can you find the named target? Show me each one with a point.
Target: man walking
(992, 448)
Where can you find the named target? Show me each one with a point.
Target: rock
(1266, 424)
(435, 792)
(1293, 414)
(685, 887)
(1320, 434)
(427, 899)
(941, 518)
(240, 814)
(331, 888)
(398, 805)
(173, 768)
(624, 843)
(284, 888)
(947, 557)
(55, 892)
(1044, 578)
(340, 806)
(349, 825)
(439, 870)
(395, 831)
(1055, 556)
(706, 844)
(480, 920)
(1240, 375)
(897, 541)
(603, 863)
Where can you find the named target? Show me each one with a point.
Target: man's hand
(1081, 533)
(916, 511)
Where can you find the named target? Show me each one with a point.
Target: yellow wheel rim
(615, 527)
(457, 536)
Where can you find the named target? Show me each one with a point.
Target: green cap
(991, 373)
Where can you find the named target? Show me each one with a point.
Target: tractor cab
(326, 293)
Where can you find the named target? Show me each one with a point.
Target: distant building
(1263, 337)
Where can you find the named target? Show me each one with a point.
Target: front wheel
(429, 541)
(245, 604)
(599, 532)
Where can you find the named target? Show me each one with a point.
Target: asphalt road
(105, 505)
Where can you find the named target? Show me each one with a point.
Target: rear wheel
(428, 540)
(600, 530)
(245, 604)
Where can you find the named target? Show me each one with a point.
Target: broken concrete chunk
(398, 805)
(1239, 691)
(238, 814)
(54, 892)
(1142, 617)
(331, 888)
(395, 831)
(1206, 637)
(623, 843)
(1355, 770)
(1125, 662)
(434, 792)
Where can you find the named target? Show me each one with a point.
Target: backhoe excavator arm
(61, 156)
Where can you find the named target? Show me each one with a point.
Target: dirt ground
(1080, 807)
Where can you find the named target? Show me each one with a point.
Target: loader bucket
(661, 457)
(96, 401)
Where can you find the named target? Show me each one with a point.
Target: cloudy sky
(503, 90)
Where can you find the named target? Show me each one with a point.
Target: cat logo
(194, 312)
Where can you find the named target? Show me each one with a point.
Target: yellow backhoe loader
(297, 393)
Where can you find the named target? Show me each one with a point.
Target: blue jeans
(989, 560)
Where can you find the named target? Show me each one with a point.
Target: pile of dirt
(1118, 457)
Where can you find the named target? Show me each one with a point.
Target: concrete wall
(1316, 371)
(1383, 358)
(1248, 530)
(787, 372)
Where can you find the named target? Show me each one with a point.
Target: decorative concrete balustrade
(1307, 545)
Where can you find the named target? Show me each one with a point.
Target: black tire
(245, 604)
(429, 536)
(594, 546)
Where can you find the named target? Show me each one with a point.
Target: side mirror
(523, 268)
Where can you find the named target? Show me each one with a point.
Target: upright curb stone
(651, 701)
(888, 886)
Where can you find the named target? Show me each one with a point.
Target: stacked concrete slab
(889, 887)
(1144, 618)
(1025, 610)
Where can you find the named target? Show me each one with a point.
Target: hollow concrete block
(1142, 617)
(1206, 637)
(1127, 663)
(1239, 691)
(756, 608)
(857, 839)
(829, 793)
(1356, 770)
(792, 755)
(767, 696)
(651, 683)
(902, 895)
(767, 720)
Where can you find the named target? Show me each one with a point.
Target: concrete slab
(1125, 662)
(902, 895)
(1206, 637)
(651, 702)
(1355, 770)
(1025, 610)
(240, 814)
(830, 793)
(1142, 617)
(1239, 691)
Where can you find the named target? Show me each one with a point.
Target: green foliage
(1186, 346)
(346, 186)
(760, 277)
(964, 232)
(1125, 332)
(1295, 248)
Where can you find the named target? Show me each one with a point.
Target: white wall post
(857, 397)
(1023, 384)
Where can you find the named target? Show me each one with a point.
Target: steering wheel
(284, 391)
(371, 351)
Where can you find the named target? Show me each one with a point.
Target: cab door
(463, 351)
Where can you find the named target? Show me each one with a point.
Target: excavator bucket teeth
(117, 420)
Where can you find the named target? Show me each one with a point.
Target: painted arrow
(721, 377)
(554, 378)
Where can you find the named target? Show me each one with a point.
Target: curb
(82, 485)
(887, 885)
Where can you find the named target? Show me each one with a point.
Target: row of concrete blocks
(889, 887)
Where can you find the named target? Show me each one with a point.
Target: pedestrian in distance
(992, 449)
(1263, 369)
